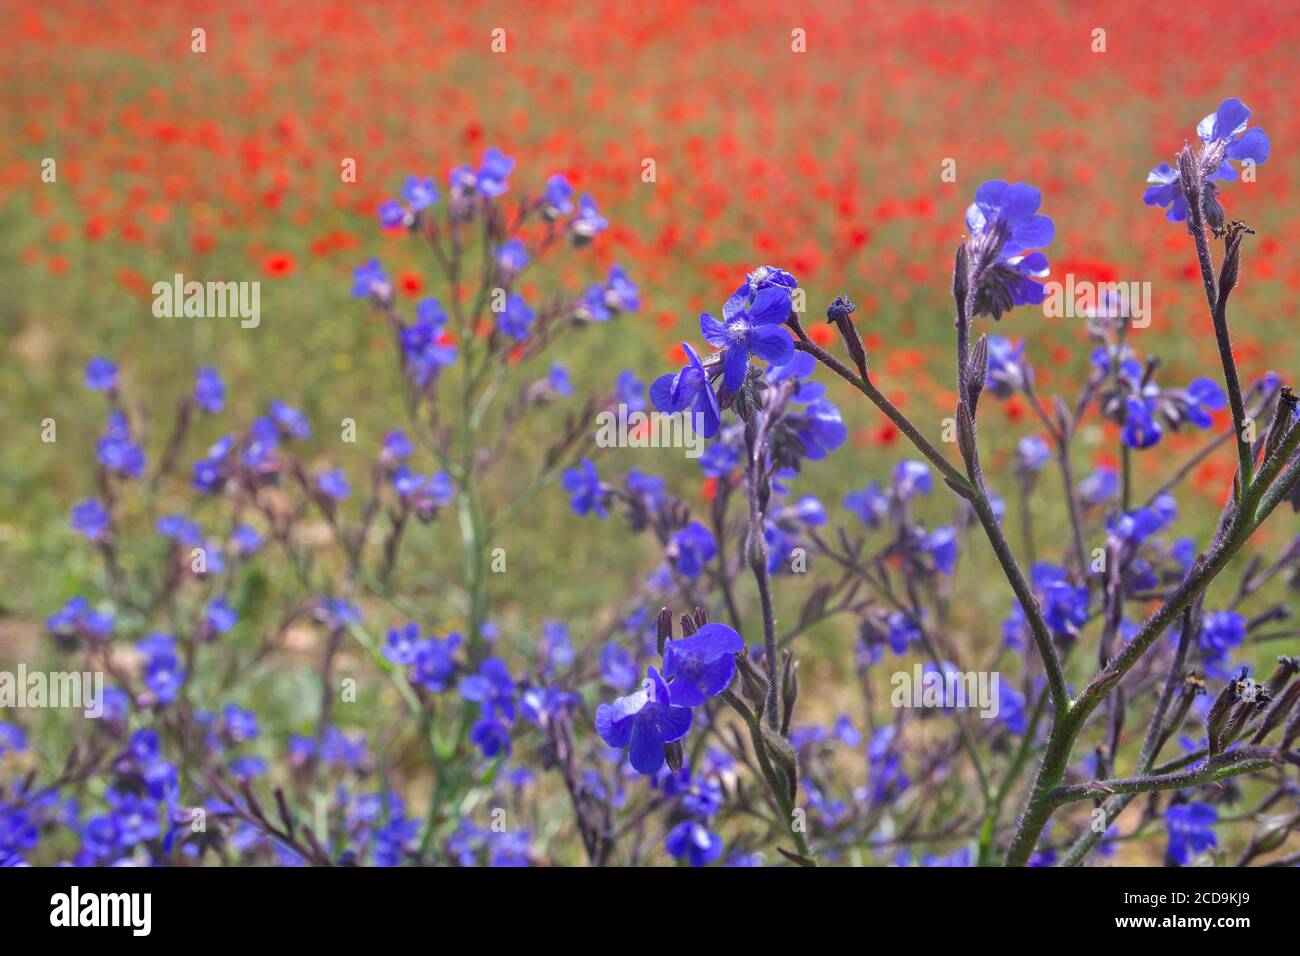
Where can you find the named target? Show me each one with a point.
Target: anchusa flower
(1006, 230)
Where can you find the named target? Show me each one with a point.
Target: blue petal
(714, 332)
(1253, 146)
(771, 306)
(661, 392)
(1032, 233)
(734, 367)
(772, 344)
(646, 749)
(1019, 202)
(1231, 119)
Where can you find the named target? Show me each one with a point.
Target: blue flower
(621, 293)
(1191, 831)
(911, 478)
(391, 214)
(690, 549)
(588, 223)
(91, 518)
(643, 722)
(694, 843)
(290, 422)
(220, 616)
(209, 390)
(819, 427)
(690, 390)
(1225, 137)
(617, 666)
(1032, 453)
(1141, 430)
(333, 484)
(516, 318)
(941, 546)
(1204, 395)
(101, 375)
(870, 504)
(583, 485)
(702, 665)
(512, 257)
(180, 529)
(493, 172)
(1220, 631)
(491, 736)
(558, 379)
(116, 451)
(903, 630)
(751, 325)
(419, 193)
(1005, 225)
(369, 279)
(1103, 483)
(1007, 369)
(492, 688)
(630, 391)
(555, 198)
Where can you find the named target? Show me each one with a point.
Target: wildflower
(911, 478)
(702, 665)
(101, 375)
(690, 549)
(1225, 139)
(209, 390)
(587, 495)
(91, 518)
(492, 688)
(690, 390)
(870, 504)
(1221, 631)
(750, 326)
(694, 843)
(419, 193)
(516, 318)
(555, 198)
(1005, 225)
(644, 722)
(588, 223)
(1191, 831)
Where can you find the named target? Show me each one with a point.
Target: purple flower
(101, 375)
(91, 518)
(492, 688)
(557, 378)
(493, 172)
(694, 843)
(1005, 224)
(702, 665)
(621, 293)
(751, 325)
(643, 722)
(630, 391)
(516, 318)
(1032, 453)
(911, 478)
(870, 504)
(941, 546)
(555, 198)
(617, 666)
(419, 193)
(1220, 631)
(116, 451)
(512, 257)
(209, 390)
(333, 484)
(690, 390)
(1191, 831)
(583, 485)
(369, 279)
(220, 616)
(1225, 138)
(690, 549)
(1141, 430)
(588, 223)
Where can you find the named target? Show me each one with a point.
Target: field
(841, 141)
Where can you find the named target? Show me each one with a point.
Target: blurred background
(225, 166)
